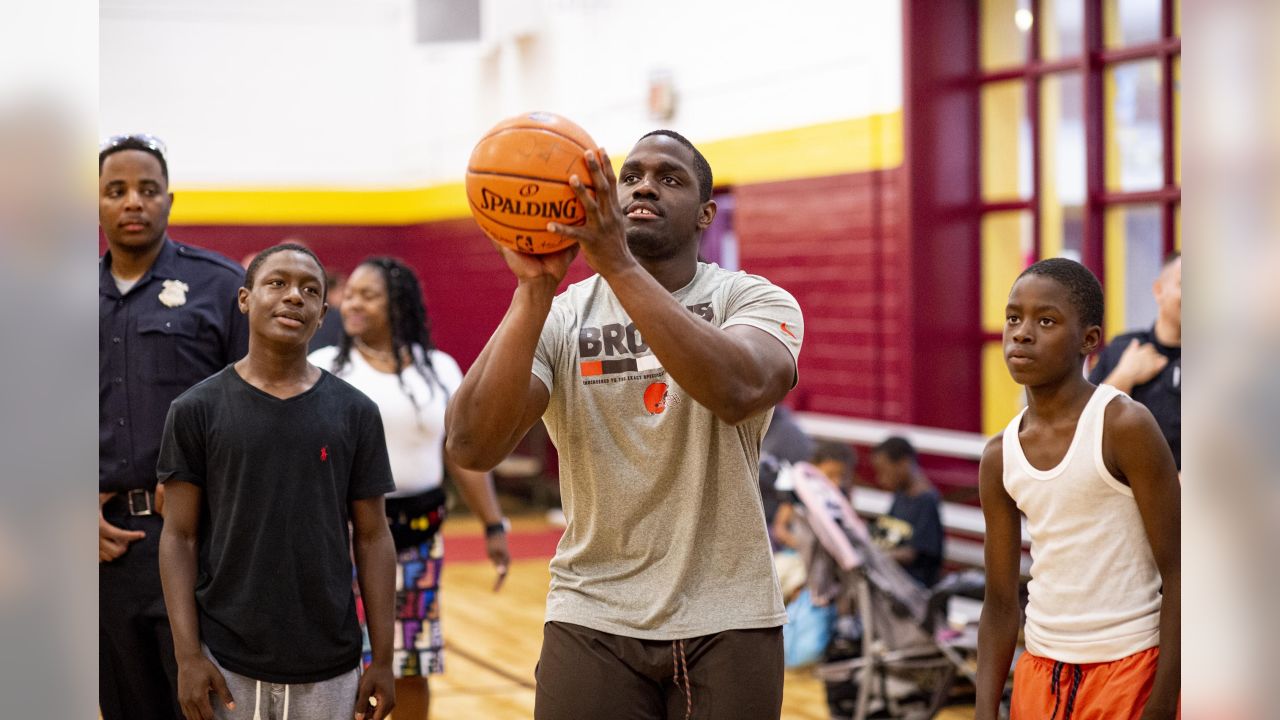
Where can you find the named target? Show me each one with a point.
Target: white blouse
(415, 435)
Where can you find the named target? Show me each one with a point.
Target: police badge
(174, 293)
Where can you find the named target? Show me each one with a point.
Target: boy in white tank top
(1097, 483)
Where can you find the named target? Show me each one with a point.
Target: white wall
(336, 93)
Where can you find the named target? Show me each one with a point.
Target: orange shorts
(1047, 690)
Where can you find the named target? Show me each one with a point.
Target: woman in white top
(386, 353)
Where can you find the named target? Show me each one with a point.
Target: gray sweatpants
(332, 699)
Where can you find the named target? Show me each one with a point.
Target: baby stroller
(908, 659)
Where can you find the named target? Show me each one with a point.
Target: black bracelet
(499, 527)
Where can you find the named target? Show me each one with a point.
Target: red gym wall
(836, 243)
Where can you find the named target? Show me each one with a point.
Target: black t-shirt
(917, 522)
(274, 582)
(1162, 394)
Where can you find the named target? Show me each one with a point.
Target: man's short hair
(896, 448)
(252, 271)
(1082, 286)
(1171, 258)
(151, 147)
(701, 167)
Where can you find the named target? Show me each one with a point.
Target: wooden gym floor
(492, 640)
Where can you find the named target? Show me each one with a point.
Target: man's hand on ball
(550, 268)
(602, 237)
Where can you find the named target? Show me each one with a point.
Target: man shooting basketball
(656, 378)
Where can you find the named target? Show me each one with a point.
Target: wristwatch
(502, 526)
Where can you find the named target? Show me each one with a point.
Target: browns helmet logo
(655, 398)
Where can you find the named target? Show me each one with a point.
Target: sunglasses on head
(150, 141)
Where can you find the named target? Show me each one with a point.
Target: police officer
(167, 319)
(1147, 364)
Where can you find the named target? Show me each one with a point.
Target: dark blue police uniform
(177, 325)
(1161, 394)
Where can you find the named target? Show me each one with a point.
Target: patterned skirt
(415, 527)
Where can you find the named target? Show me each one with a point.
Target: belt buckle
(139, 502)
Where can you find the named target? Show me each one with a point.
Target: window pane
(1135, 149)
(1005, 25)
(1131, 22)
(1061, 29)
(1134, 249)
(1006, 142)
(1006, 252)
(1177, 120)
(1062, 165)
(1002, 398)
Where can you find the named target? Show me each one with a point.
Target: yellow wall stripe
(318, 206)
(835, 148)
(845, 146)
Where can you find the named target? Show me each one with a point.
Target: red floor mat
(523, 546)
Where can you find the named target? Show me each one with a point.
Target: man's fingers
(115, 534)
(606, 185)
(584, 195)
(609, 176)
(380, 710)
(601, 169)
(109, 549)
(224, 692)
(203, 708)
(568, 231)
(362, 698)
(597, 170)
(502, 577)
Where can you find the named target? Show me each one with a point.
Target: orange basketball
(518, 181)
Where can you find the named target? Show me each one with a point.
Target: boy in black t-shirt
(264, 464)
(912, 531)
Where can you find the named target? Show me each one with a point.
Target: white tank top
(1095, 587)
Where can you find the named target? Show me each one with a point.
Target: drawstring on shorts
(257, 702)
(682, 668)
(1055, 685)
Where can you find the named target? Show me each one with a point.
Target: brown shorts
(586, 674)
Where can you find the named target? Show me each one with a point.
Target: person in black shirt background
(167, 319)
(264, 464)
(912, 531)
(1147, 364)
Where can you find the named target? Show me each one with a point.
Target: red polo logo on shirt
(324, 453)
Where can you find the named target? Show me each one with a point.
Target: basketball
(518, 181)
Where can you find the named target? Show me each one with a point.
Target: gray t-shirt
(666, 537)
